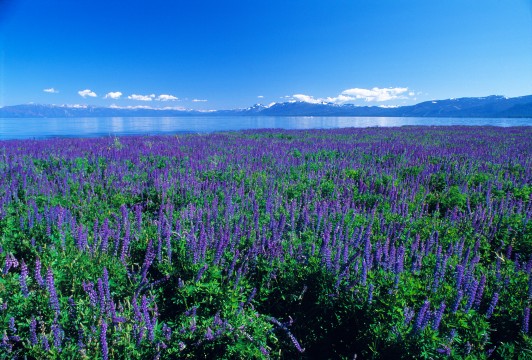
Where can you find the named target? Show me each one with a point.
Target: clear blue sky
(237, 53)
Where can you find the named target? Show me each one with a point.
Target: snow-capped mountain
(490, 106)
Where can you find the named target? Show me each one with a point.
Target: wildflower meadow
(374, 243)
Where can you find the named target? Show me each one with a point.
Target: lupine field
(373, 243)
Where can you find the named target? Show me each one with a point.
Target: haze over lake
(118, 126)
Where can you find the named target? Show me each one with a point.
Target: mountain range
(491, 106)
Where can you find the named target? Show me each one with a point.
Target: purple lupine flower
(81, 241)
(38, 276)
(11, 325)
(378, 253)
(251, 296)
(240, 307)
(125, 243)
(154, 315)
(14, 261)
(96, 235)
(147, 319)
(58, 334)
(452, 334)
(418, 326)
(23, 278)
(367, 246)
(438, 254)
(477, 246)
(10, 262)
(101, 296)
(193, 325)
(72, 311)
(167, 234)
(217, 321)
(493, 303)
(290, 335)
(443, 267)
(399, 265)
(517, 264)
(370, 293)
(489, 352)
(325, 252)
(526, 319)
(209, 335)
(148, 260)
(105, 283)
(530, 286)
(295, 342)
(54, 301)
(33, 332)
(472, 291)
(438, 316)
(480, 291)
(167, 332)
(233, 263)
(103, 340)
(6, 343)
(88, 287)
(191, 311)
(123, 210)
(116, 319)
(408, 314)
(138, 332)
(136, 310)
(115, 234)
(81, 344)
(45, 343)
(264, 351)
(468, 348)
(219, 251)
(364, 272)
(436, 276)
(326, 257)
(105, 233)
(160, 249)
(14, 338)
(444, 351)
(428, 316)
(459, 276)
(416, 262)
(506, 281)
(200, 273)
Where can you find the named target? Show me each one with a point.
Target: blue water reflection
(117, 126)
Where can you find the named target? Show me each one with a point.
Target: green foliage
(355, 174)
(327, 188)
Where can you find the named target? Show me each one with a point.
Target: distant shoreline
(481, 107)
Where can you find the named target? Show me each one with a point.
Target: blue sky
(227, 54)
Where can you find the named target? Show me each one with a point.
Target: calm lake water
(39, 128)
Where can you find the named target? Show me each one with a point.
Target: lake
(40, 128)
